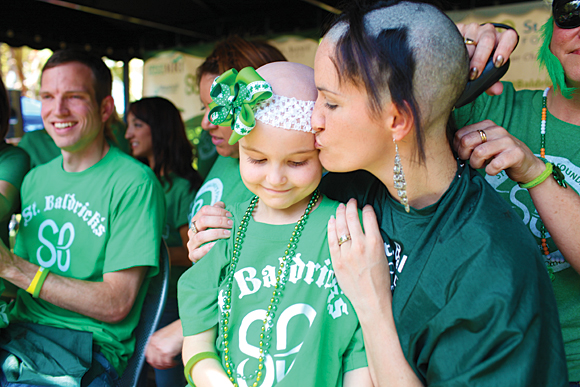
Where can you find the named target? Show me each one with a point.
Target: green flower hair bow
(235, 95)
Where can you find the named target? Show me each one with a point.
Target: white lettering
(45, 242)
(243, 281)
(297, 269)
(49, 202)
(311, 268)
(269, 273)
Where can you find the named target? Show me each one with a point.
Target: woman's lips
(217, 140)
(316, 143)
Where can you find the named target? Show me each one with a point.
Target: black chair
(153, 307)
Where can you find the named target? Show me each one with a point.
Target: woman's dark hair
(4, 111)
(237, 53)
(172, 150)
(409, 50)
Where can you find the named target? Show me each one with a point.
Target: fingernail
(473, 74)
(230, 222)
(341, 206)
(229, 214)
(227, 232)
(498, 61)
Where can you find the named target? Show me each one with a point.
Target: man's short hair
(102, 79)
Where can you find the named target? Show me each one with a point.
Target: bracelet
(540, 179)
(37, 282)
(194, 360)
(551, 169)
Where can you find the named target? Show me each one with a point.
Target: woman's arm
(558, 207)
(164, 346)
(211, 223)
(363, 272)
(206, 372)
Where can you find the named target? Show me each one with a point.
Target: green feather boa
(549, 60)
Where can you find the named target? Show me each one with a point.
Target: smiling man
(88, 241)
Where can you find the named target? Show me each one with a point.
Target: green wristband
(40, 282)
(194, 360)
(540, 179)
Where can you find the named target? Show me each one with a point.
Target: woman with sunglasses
(535, 157)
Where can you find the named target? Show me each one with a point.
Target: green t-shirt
(82, 225)
(317, 336)
(472, 301)
(178, 199)
(40, 147)
(520, 113)
(14, 164)
(223, 183)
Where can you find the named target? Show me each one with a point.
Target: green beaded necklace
(282, 276)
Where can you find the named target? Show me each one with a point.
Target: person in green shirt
(305, 332)
(156, 134)
(223, 182)
(14, 164)
(527, 134)
(88, 242)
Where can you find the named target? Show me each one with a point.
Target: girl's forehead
(269, 139)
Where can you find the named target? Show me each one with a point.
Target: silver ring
(193, 228)
(343, 239)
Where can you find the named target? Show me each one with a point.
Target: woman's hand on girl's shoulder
(209, 224)
(359, 261)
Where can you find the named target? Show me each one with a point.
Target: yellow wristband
(37, 282)
(194, 360)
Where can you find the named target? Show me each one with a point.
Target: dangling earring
(399, 179)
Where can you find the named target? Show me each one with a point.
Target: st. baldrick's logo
(48, 253)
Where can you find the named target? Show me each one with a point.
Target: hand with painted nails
(483, 41)
(358, 257)
(211, 223)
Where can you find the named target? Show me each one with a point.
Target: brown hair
(237, 53)
(172, 150)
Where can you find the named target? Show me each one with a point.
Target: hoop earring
(399, 179)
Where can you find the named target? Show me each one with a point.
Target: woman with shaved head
(448, 284)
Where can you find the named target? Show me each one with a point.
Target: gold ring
(194, 228)
(483, 136)
(343, 239)
(469, 42)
